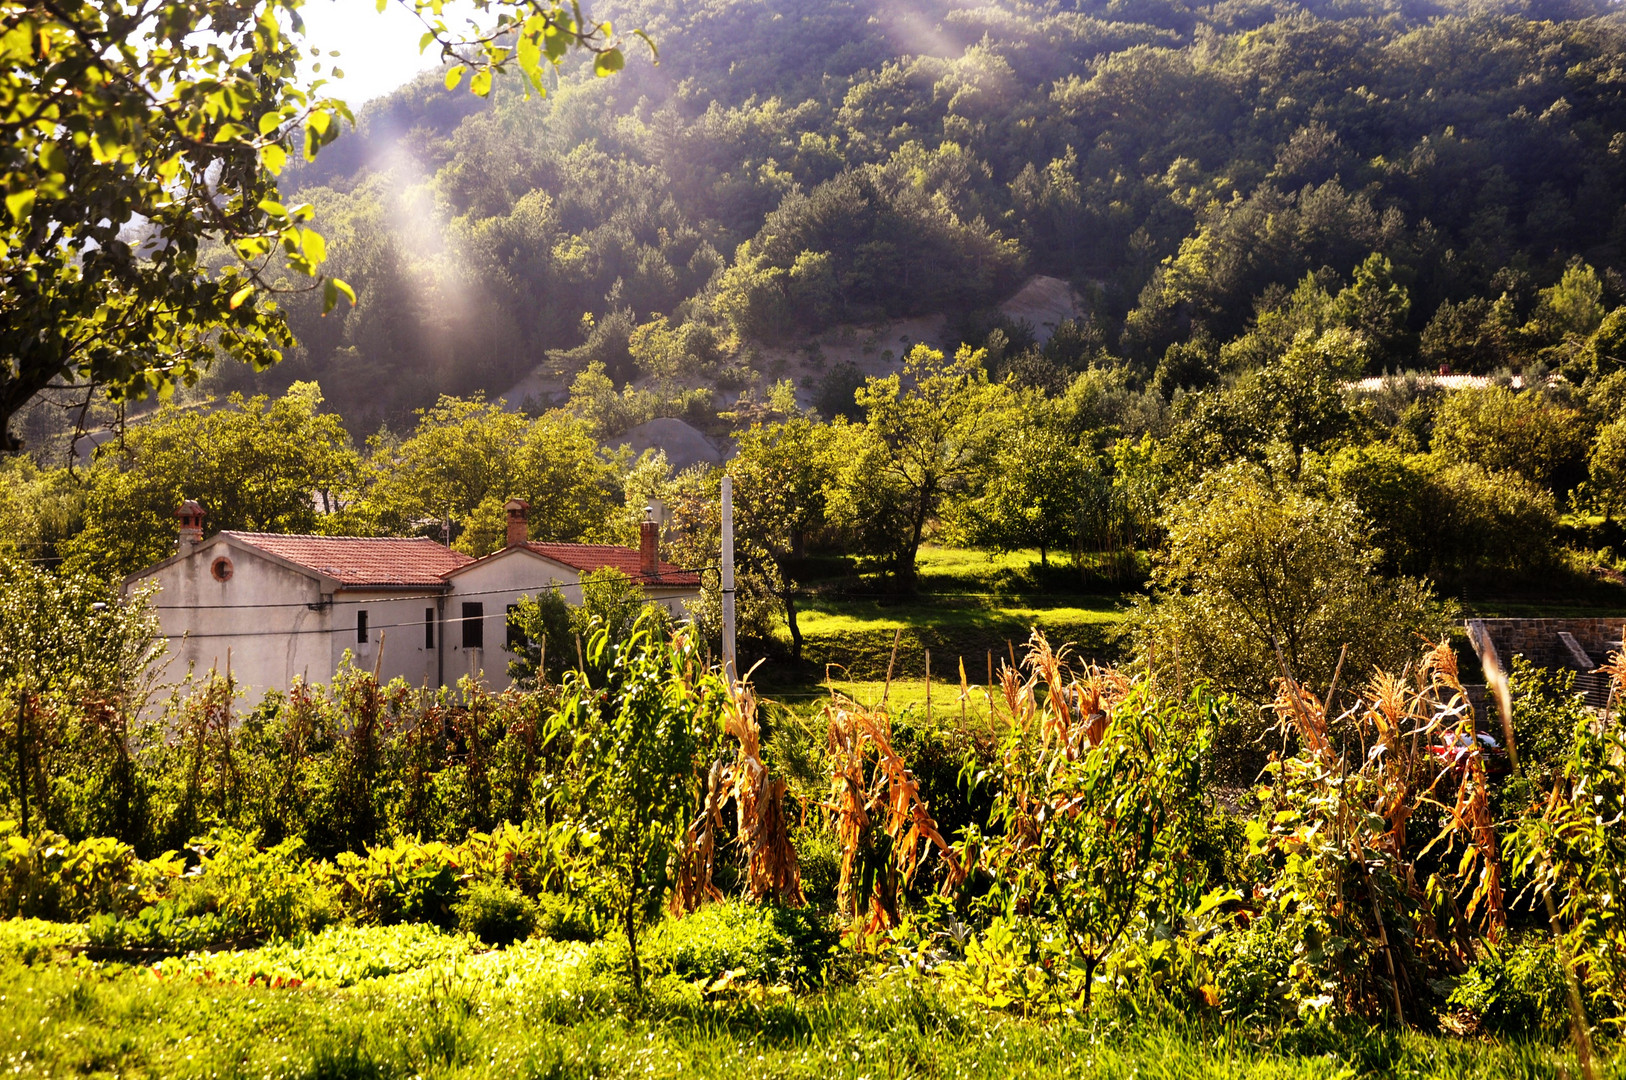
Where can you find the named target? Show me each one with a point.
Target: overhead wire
(371, 626)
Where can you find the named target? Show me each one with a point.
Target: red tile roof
(363, 561)
(590, 557)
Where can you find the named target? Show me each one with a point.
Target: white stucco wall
(257, 620)
(498, 582)
(494, 584)
(395, 623)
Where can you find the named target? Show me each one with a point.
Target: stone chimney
(191, 532)
(649, 544)
(518, 530)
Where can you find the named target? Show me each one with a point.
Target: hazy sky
(377, 52)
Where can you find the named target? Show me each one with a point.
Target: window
(474, 626)
(516, 635)
(221, 569)
(361, 626)
(429, 628)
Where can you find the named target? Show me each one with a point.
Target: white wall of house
(257, 619)
(397, 621)
(477, 640)
(496, 584)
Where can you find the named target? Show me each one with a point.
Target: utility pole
(729, 665)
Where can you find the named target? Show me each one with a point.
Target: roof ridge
(330, 536)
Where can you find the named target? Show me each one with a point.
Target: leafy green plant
(496, 914)
(1572, 854)
(1348, 825)
(396, 883)
(1519, 990)
(46, 875)
(159, 927)
(635, 770)
(759, 943)
(1096, 789)
(338, 956)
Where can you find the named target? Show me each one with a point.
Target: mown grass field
(967, 604)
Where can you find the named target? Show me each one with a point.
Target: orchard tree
(640, 736)
(1256, 577)
(926, 435)
(782, 475)
(1040, 486)
(139, 136)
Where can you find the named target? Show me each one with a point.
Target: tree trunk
(22, 761)
(632, 943)
(906, 560)
(789, 597)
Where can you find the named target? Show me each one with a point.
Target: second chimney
(649, 544)
(518, 530)
(191, 531)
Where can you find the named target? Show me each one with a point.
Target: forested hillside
(794, 164)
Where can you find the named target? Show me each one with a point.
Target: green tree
(467, 457)
(1505, 430)
(254, 464)
(1251, 568)
(1377, 307)
(1606, 469)
(139, 136)
(639, 742)
(40, 509)
(1040, 488)
(782, 475)
(926, 436)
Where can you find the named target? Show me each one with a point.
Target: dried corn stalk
(883, 825)
(762, 827)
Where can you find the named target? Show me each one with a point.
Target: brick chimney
(649, 544)
(518, 530)
(191, 532)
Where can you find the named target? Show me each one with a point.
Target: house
(278, 607)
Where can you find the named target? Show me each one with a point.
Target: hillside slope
(793, 166)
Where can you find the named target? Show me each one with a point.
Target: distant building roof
(587, 558)
(363, 561)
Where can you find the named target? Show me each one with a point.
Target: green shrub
(496, 914)
(162, 926)
(47, 876)
(561, 919)
(765, 944)
(1518, 992)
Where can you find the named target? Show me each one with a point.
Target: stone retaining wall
(1537, 639)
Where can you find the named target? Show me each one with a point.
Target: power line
(450, 620)
(404, 599)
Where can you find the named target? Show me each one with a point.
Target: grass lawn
(856, 616)
(905, 700)
(967, 603)
(500, 1015)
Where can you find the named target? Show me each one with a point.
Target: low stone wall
(1537, 639)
